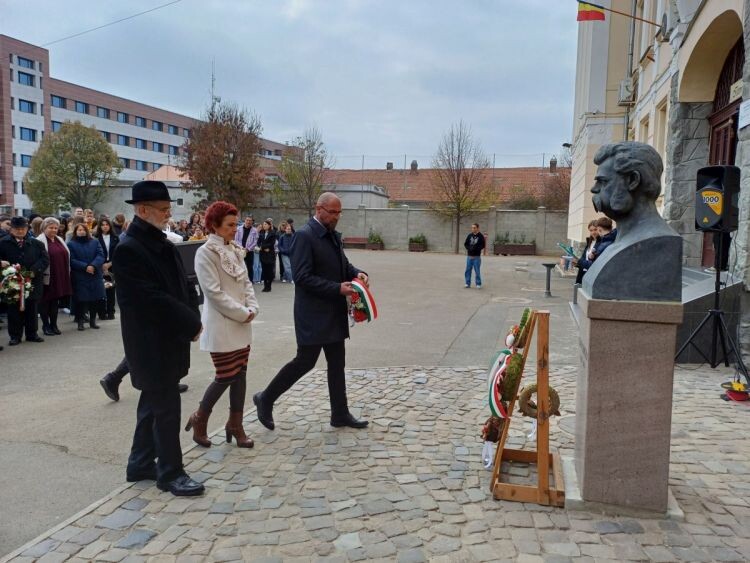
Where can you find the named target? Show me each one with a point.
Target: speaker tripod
(719, 332)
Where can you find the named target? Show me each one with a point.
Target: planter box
(374, 246)
(514, 249)
(417, 247)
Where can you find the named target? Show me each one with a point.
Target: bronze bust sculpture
(645, 261)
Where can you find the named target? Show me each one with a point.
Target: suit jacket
(319, 265)
(114, 240)
(32, 257)
(158, 313)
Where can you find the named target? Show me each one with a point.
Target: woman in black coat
(267, 246)
(86, 261)
(582, 262)
(108, 240)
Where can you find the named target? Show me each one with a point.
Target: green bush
(374, 237)
(418, 239)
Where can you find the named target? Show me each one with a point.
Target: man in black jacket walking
(29, 253)
(322, 276)
(159, 318)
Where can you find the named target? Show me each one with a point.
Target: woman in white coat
(228, 310)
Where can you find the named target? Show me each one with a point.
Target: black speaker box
(717, 199)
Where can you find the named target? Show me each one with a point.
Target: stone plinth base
(624, 402)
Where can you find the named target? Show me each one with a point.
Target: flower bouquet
(361, 304)
(15, 285)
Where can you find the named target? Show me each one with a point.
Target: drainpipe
(629, 69)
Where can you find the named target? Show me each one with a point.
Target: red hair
(216, 212)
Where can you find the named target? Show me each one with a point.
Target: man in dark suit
(159, 318)
(29, 253)
(322, 276)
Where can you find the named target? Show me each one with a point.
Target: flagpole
(620, 13)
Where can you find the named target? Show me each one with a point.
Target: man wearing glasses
(322, 276)
(159, 318)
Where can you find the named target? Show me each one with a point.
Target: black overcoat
(158, 313)
(319, 265)
(33, 257)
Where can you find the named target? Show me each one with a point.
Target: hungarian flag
(589, 12)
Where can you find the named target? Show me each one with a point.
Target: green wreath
(528, 407)
(523, 328)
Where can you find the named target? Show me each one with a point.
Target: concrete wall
(396, 225)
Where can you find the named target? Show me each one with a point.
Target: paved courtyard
(411, 487)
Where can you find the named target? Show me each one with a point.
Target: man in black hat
(159, 318)
(31, 255)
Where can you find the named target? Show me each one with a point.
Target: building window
(15, 184)
(186, 132)
(122, 117)
(157, 147)
(40, 82)
(25, 160)
(25, 63)
(11, 75)
(82, 107)
(14, 159)
(58, 102)
(25, 78)
(157, 125)
(26, 106)
(173, 150)
(13, 131)
(28, 134)
(141, 165)
(180, 202)
(123, 140)
(56, 126)
(140, 121)
(105, 135)
(140, 144)
(125, 162)
(173, 130)
(156, 165)
(102, 112)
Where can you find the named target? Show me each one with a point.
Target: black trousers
(249, 260)
(303, 363)
(107, 305)
(18, 320)
(157, 435)
(48, 312)
(281, 268)
(121, 370)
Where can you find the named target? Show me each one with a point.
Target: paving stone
(442, 545)
(518, 519)
(227, 554)
(136, 539)
(569, 549)
(113, 555)
(41, 548)
(120, 519)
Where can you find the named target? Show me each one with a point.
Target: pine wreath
(528, 407)
(524, 328)
(512, 376)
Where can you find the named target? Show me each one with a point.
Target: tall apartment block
(33, 104)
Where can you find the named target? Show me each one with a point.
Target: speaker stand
(719, 332)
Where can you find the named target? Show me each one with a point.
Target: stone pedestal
(624, 402)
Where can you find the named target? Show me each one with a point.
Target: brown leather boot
(234, 428)
(198, 422)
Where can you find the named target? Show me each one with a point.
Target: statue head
(628, 173)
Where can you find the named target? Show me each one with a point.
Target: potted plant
(418, 243)
(515, 246)
(374, 241)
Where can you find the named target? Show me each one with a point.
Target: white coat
(229, 296)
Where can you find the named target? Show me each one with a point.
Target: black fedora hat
(149, 190)
(18, 222)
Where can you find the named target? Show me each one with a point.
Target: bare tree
(222, 155)
(460, 176)
(301, 171)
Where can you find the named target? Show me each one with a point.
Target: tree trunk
(458, 233)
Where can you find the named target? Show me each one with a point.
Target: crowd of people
(69, 261)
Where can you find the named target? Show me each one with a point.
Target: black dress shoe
(48, 332)
(110, 387)
(35, 338)
(14, 342)
(182, 387)
(183, 486)
(111, 317)
(265, 412)
(56, 330)
(348, 420)
(147, 475)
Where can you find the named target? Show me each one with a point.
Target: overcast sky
(381, 78)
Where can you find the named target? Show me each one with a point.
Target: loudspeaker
(717, 199)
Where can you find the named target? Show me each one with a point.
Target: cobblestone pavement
(412, 487)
